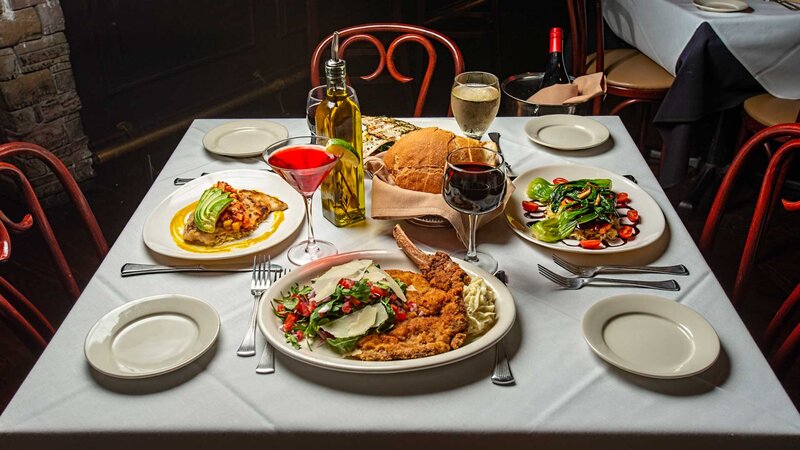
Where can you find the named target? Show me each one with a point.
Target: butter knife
(495, 137)
(131, 269)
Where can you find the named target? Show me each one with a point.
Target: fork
(266, 364)
(578, 282)
(786, 4)
(258, 285)
(501, 375)
(590, 271)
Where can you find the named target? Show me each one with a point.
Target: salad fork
(266, 364)
(260, 282)
(579, 282)
(590, 271)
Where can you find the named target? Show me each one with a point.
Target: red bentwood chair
(630, 74)
(408, 33)
(15, 308)
(781, 352)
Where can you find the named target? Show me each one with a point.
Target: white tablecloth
(765, 40)
(565, 397)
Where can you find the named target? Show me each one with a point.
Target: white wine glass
(475, 99)
(315, 97)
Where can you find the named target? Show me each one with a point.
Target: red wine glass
(304, 162)
(474, 184)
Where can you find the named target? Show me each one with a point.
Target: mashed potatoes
(479, 299)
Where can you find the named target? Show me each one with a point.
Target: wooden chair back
(579, 34)
(408, 33)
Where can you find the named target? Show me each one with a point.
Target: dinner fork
(260, 282)
(501, 375)
(579, 282)
(266, 364)
(590, 271)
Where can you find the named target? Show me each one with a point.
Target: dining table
(564, 396)
(719, 59)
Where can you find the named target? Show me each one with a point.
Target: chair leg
(645, 113)
(32, 339)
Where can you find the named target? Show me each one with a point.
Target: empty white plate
(722, 6)
(566, 132)
(151, 336)
(244, 138)
(651, 336)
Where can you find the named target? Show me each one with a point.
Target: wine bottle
(338, 116)
(556, 70)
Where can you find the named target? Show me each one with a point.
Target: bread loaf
(416, 161)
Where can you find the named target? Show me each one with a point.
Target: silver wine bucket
(518, 88)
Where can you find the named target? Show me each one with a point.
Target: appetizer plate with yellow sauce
(164, 228)
(321, 355)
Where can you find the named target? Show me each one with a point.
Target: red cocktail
(304, 162)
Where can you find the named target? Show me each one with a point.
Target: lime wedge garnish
(339, 146)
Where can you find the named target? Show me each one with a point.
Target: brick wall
(38, 100)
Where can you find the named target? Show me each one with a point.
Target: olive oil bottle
(339, 117)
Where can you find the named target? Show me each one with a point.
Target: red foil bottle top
(555, 40)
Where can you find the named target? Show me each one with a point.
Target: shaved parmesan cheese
(358, 322)
(325, 285)
(375, 274)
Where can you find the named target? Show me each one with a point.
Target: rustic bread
(416, 161)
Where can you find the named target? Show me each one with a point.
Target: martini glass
(304, 162)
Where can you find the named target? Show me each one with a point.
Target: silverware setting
(786, 4)
(261, 281)
(132, 269)
(181, 181)
(579, 282)
(495, 137)
(590, 271)
(501, 375)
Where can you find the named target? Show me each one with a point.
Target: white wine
(474, 106)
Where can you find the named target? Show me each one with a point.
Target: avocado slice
(211, 204)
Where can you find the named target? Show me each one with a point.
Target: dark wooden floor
(121, 184)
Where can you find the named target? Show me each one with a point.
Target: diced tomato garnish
(590, 243)
(291, 318)
(302, 309)
(530, 206)
(604, 228)
(400, 315)
(354, 301)
(345, 283)
(626, 232)
(559, 180)
(633, 215)
(347, 307)
(394, 308)
(622, 197)
(299, 335)
(377, 291)
(281, 308)
(393, 297)
(313, 305)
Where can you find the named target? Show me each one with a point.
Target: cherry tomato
(345, 283)
(559, 180)
(626, 232)
(530, 206)
(347, 307)
(622, 197)
(633, 215)
(590, 243)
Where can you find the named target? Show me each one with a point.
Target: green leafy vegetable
(539, 189)
(344, 345)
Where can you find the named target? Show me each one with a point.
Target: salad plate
(566, 131)
(160, 237)
(244, 138)
(650, 336)
(650, 226)
(721, 6)
(325, 357)
(151, 336)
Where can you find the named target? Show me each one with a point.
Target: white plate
(721, 6)
(323, 356)
(244, 138)
(651, 225)
(651, 336)
(566, 132)
(156, 231)
(151, 336)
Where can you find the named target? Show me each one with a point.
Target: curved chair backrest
(579, 34)
(787, 350)
(408, 33)
(767, 197)
(37, 216)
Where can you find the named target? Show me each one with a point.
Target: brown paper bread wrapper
(581, 90)
(390, 202)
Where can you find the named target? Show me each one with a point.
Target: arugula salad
(586, 210)
(342, 305)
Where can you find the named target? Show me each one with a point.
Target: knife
(495, 137)
(131, 269)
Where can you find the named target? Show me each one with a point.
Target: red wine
(304, 166)
(556, 71)
(474, 188)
